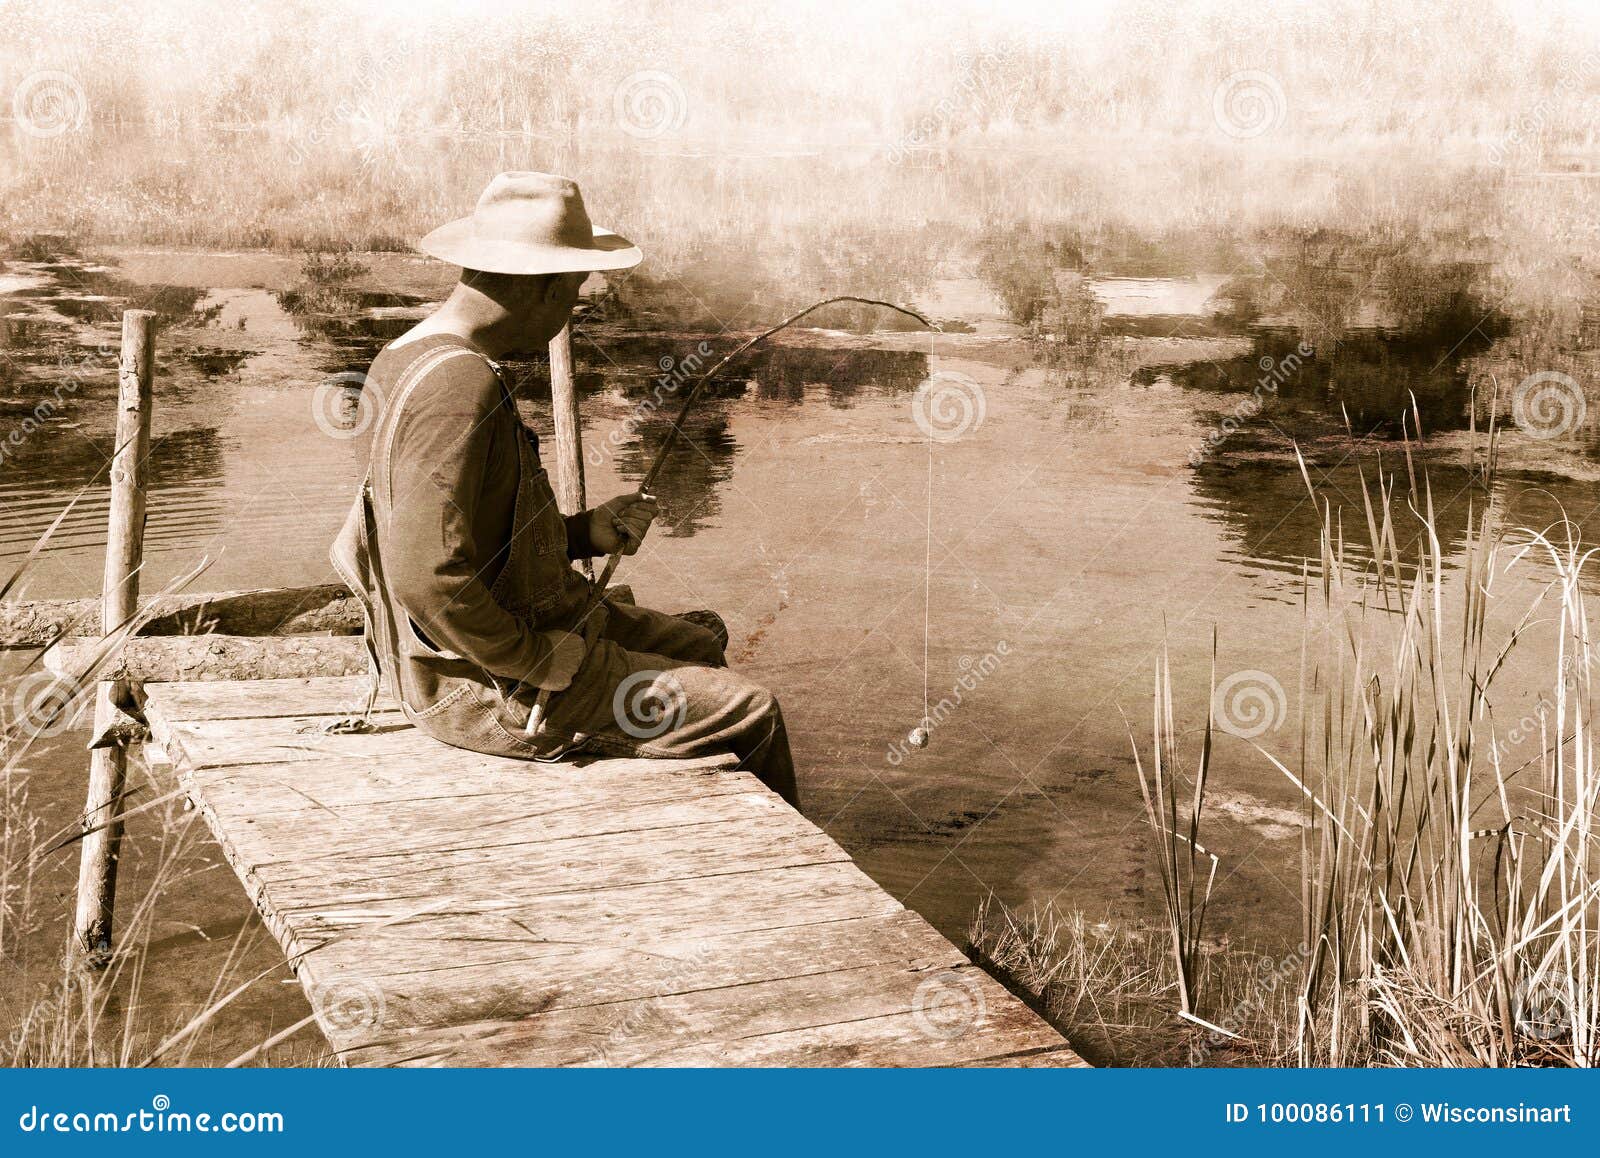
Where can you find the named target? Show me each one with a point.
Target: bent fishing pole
(597, 593)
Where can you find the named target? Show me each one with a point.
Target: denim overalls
(441, 692)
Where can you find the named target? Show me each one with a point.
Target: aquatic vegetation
(1450, 877)
(1188, 868)
(1451, 897)
(324, 267)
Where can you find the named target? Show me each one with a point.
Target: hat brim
(459, 243)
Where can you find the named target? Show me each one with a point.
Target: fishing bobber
(918, 738)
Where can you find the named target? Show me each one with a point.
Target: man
(463, 559)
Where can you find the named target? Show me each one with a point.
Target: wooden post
(569, 433)
(108, 767)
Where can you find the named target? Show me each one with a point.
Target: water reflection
(1371, 377)
(68, 287)
(356, 321)
(1269, 525)
(630, 387)
(691, 483)
(186, 507)
(1371, 326)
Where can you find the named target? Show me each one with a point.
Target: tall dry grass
(821, 69)
(62, 1010)
(1188, 868)
(1450, 898)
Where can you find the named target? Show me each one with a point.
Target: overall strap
(374, 618)
(420, 368)
(371, 618)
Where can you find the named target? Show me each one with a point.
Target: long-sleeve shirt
(455, 473)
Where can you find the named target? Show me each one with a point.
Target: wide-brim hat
(530, 223)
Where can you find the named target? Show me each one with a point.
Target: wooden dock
(446, 908)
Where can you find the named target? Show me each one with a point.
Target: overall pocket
(537, 574)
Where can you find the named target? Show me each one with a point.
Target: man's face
(548, 308)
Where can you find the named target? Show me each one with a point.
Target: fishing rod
(597, 593)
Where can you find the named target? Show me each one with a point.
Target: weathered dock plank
(445, 908)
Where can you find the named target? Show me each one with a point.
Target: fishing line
(918, 737)
(927, 578)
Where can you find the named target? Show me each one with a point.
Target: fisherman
(466, 565)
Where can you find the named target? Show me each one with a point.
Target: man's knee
(707, 645)
(762, 709)
(705, 649)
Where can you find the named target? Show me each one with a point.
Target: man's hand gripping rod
(598, 593)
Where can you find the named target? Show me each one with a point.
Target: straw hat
(530, 223)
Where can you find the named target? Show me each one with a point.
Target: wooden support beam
(108, 767)
(187, 658)
(568, 429)
(325, 607)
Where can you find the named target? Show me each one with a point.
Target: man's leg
(674, 708)
(656, 633)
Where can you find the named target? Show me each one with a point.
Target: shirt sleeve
(579, 545)
(434, 566)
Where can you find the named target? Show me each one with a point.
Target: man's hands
(566, 657)
(620, 525)
(568, 650)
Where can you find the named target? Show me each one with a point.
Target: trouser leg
(656, 633)
(667, 707)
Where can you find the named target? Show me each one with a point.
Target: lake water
(1032, 566)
